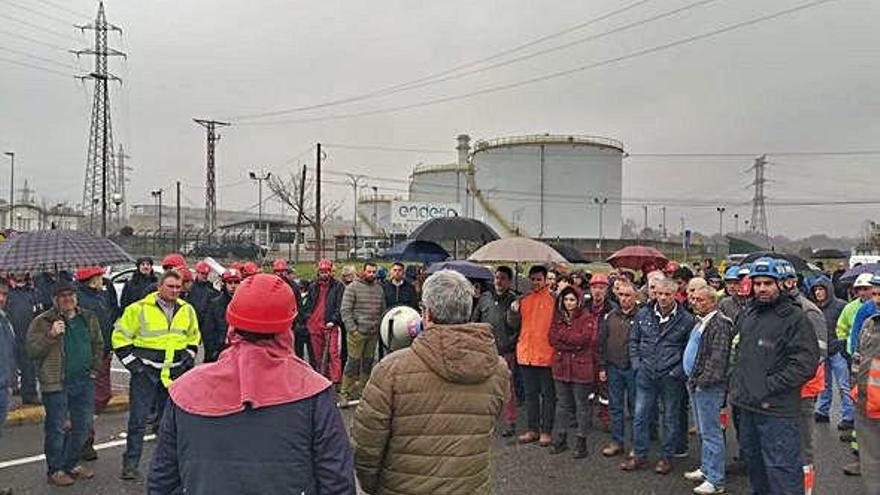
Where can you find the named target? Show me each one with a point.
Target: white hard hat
(863, 280)
(400, 326)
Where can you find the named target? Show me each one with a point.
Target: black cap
(62, 286)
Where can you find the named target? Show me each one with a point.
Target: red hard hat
(249, 268)
(279, 265)
(173, 260)
(598, 279)
(231, 275)
(263, 304)
(203, 268)
(671, 267)
(86, 273)
(325, 264)
(237, 265)
(185, 274)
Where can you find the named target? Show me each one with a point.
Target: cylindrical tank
(548, 185)
(439, 183)
(374, 214)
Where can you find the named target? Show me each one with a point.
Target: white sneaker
(695, 475)
(708, 489)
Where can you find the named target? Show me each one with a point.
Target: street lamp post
(355, 181)
(260, 179)
(720, 210)
(736, 223)
(601, 203)
(158, 195)
(376, 208)
(11, 155)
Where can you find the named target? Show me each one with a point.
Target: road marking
(123, 370)
(38, 458)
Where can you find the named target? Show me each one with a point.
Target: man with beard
(323, 320)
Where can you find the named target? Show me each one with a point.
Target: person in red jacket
(573, 336)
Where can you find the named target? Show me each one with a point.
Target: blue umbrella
(854, 272)
(420, 251)
(469, 269)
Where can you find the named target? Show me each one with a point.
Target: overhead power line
(66, 9)
(387, 148)
(37, 12)
(425, 80)
(33, 40)
(33, 66)
(38, 27)
(37, 57)
(558, 74)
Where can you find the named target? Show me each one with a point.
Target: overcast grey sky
(802, 82)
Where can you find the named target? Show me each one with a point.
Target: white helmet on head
(863, 280)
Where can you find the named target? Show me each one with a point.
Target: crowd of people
(758, 348)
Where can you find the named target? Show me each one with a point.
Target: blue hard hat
(732, 273)
(875, 280)
(768, 267)
(788, 270)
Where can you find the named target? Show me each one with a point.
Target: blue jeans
(836, 369)
(707, 410)
(145, 390)
(771, 448)
(648, 391)
(76, 401)
(4, 405)
(621, 387)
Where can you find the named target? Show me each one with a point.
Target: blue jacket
(866, 311)
(22, 304)
(7, 351)
(294, 448)
(103, 304)
(656, 348)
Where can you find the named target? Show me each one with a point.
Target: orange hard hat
(173, 260)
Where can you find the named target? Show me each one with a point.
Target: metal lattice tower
(100, 180)
(759, 209)
(211, 183)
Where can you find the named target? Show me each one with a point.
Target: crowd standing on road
(756, 348)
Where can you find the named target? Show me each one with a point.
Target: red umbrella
(635, 257)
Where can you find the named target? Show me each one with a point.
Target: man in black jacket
(136, 287)
(215, 328)
(777, 353)
(22, 305)
(492, 308)
(398, 290)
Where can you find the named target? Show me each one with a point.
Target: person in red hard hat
(259, 418)
(173, 261)
(323, 320)
(249, 269)
(202, 292)
(214, 331)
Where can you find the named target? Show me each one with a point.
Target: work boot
(611, 449)
(81, 473)
(88, 452)
(663, 466)
(853, 469)
(821, 418)
(580, 448)
(847, 436)
(528, 437)
(130, 473)
(633, 464)
(60, 478)
(845, 425)
(559, 446)
(545, 440)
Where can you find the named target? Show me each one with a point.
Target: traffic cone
(809, 478)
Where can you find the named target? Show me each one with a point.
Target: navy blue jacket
(200, 296)
(294, 448)
(404, 294)
(215, 326)
(22, 304)
(7, 352)
(103, 304)
(656, 348)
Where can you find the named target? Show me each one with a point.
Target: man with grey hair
(425, 420)
(657, 340)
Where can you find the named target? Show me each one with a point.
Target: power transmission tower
(100, 180)
(758, 223)
(211, 182)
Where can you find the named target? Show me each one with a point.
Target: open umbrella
(520, 249)
(571, 253)
(636, 257)
(454, 229)
(469, 269)
(855, 271)
(49, 250)
(421, 251)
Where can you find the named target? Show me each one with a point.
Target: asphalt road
(518, 469)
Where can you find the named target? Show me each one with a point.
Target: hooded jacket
(425, 420)
(831, 308)
(777, 354)
(492, 308)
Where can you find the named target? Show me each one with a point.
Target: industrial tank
(374, 214)
(438, 183)
(548, 185)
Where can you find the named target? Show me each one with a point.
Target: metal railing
(538, 139)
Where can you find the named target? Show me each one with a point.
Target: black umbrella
(421, 251)
(50, 250)
(469, 269)
(454, 229)
(569, 252)
(799, 264)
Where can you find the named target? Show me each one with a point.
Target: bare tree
(287, 190)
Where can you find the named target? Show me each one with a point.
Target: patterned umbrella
(46, 250)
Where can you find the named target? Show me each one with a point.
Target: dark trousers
(145, 392)
(572, 399)
(540, 398)
(302, 347)
(77, 402)
(771, 448)
(28, 372)
(621, 399)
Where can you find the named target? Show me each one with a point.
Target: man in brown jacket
(66, 344)
(445, 393)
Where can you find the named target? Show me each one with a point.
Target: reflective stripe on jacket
(144, 333)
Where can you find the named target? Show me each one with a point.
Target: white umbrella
(519, 249)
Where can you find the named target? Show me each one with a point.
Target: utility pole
(720, 210)
(355, 181)
(99, 166)
(319, 244)
(177, 236)
(300, 208)
(260, 179)
(158, 194)
(663, 225)
(120, 183)
(11, 155)
(211, 181)
(376, 208)
(645, 229)
(736, 223)
(601, 204)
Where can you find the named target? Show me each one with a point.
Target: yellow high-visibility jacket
(144, 338)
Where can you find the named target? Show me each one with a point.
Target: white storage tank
(548, 186)
(374, 214)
